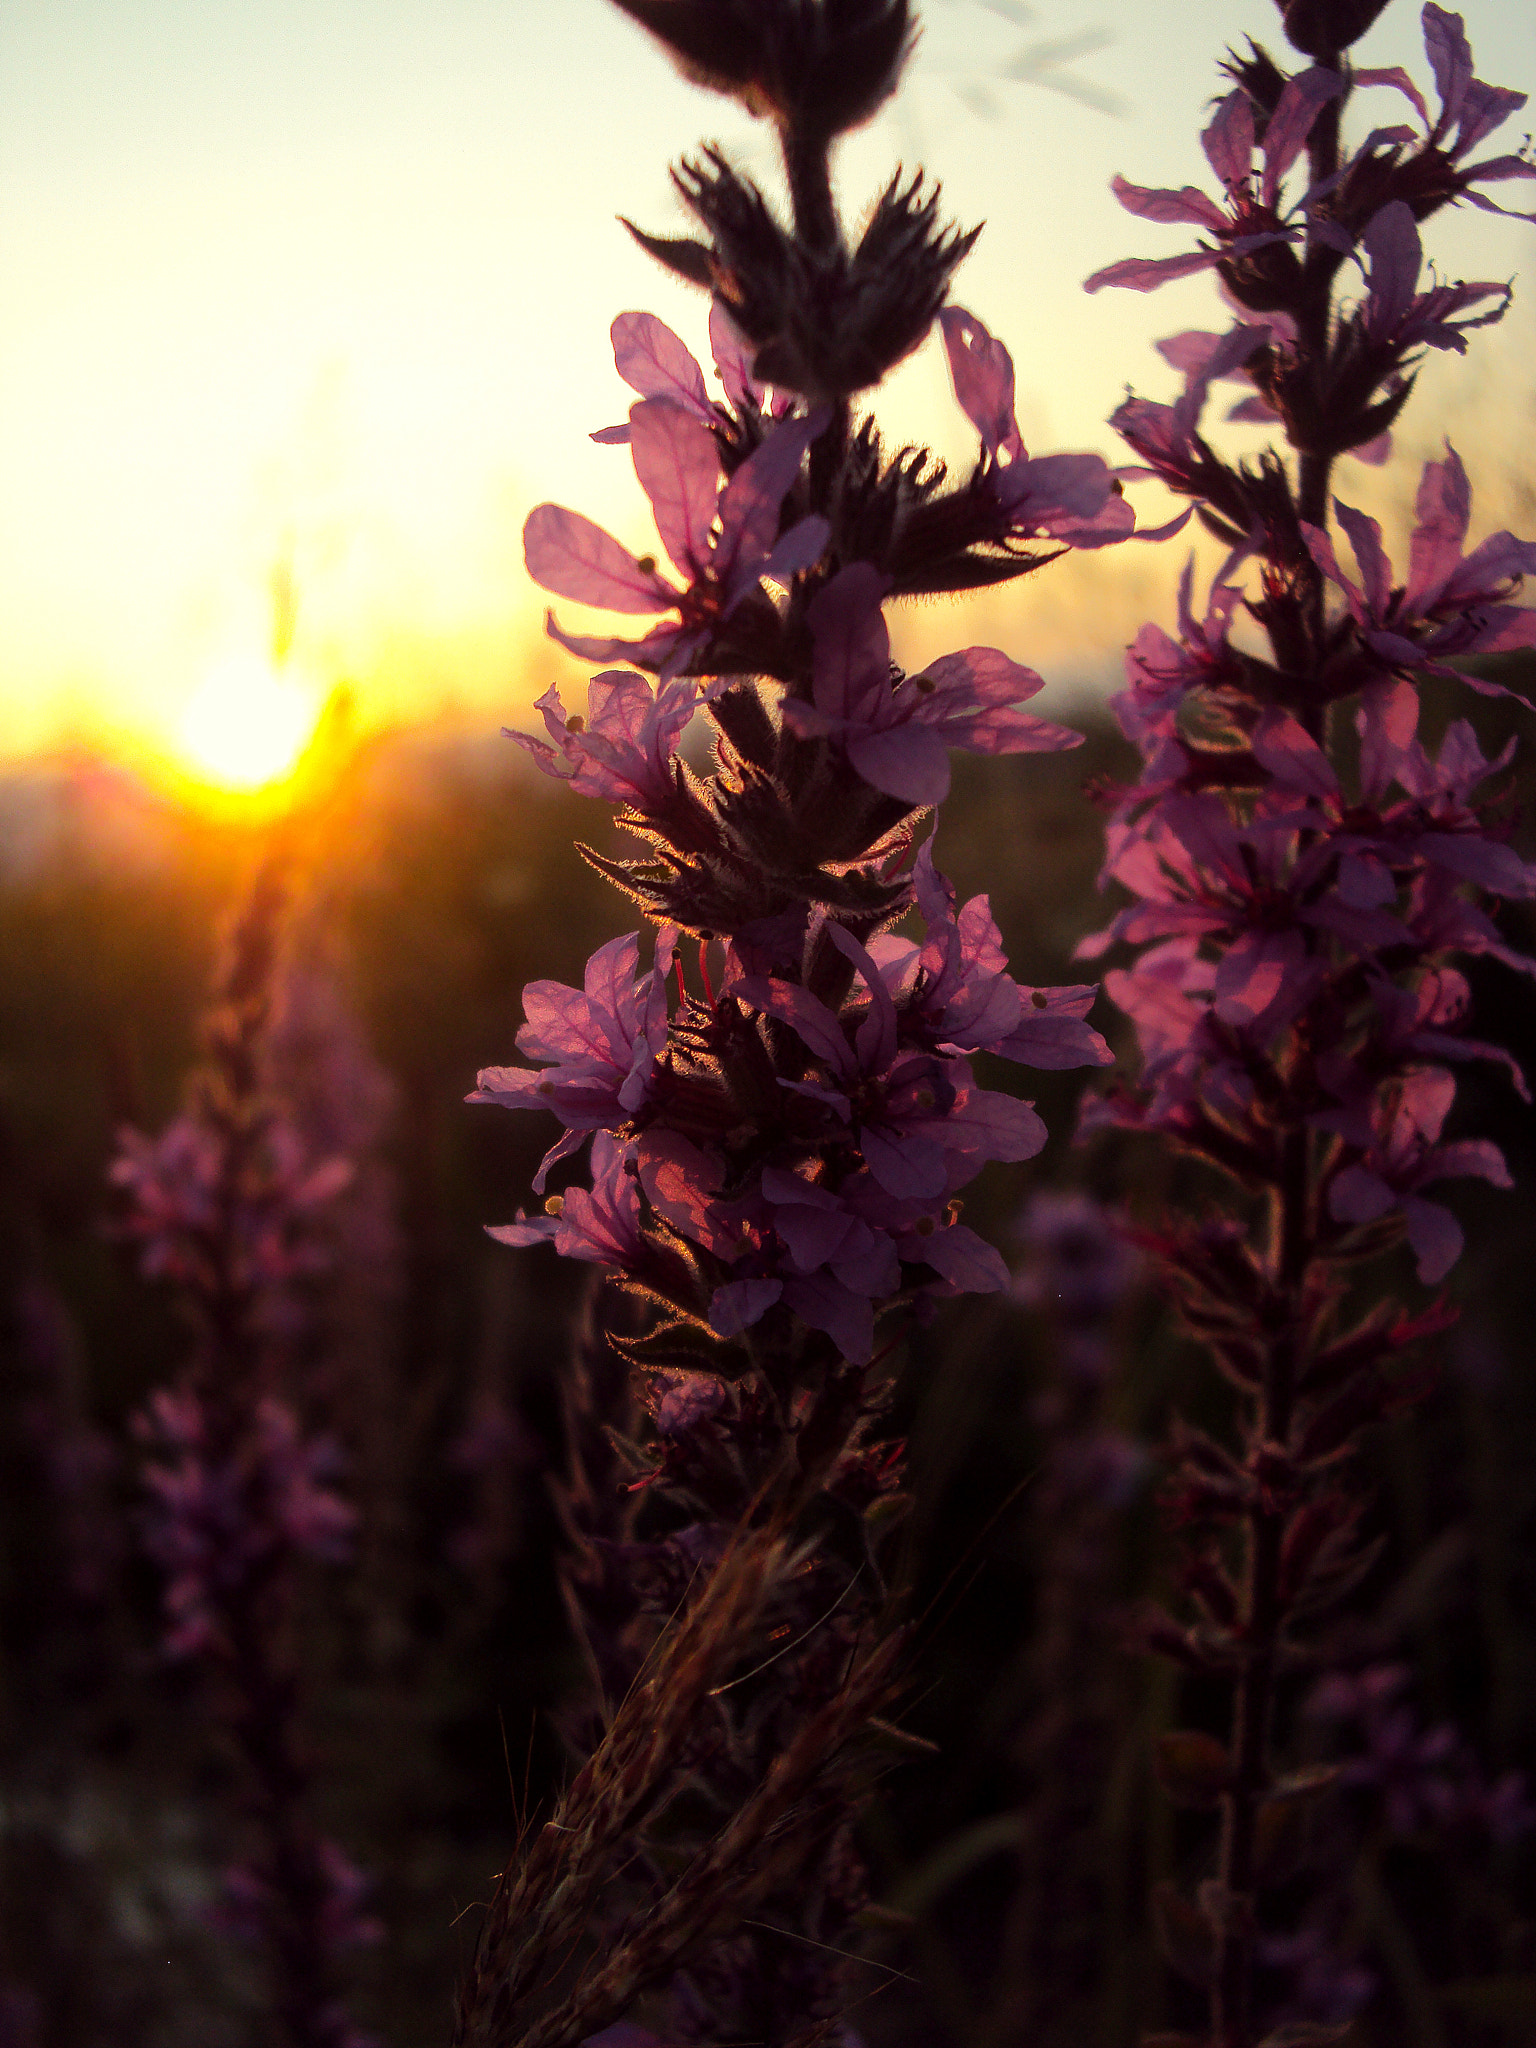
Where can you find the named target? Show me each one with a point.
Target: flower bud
(824, 325)
(816, 67)
(1320, 29)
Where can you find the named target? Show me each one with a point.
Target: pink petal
(1435, 1236)
(1228, 141)
(1374, 452)
(1036, 489)
(1443, 509)
(982, 370)
(678, 465)
(1395, 76)
(798, 550)
(853, 648)
(985, 1124)
(1253, 973)
(1189, 204)
(1450, 56)
(875, 1039)
(1395, 257)
(847, 1318)
(1472, 1158)
(740, 1303)
(965, 1260)
(751, 501)
(1375, 569)
(653, 361)
(1283, 746)
(804, 1013)
(733, 365)
(1290, 124)
(988, 674)
(1496, 868)
(1359, 1196)
(908, 1166)
(1498, 560)
(909, 762)
(567, 554)
(1146, 273)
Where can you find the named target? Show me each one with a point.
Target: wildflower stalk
(225, 1205)
(1295, 997)
(776, 1151)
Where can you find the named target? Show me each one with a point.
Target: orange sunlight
(247, 724)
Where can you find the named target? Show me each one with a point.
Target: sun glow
(247, 723)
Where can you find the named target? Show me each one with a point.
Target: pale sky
(328, 282)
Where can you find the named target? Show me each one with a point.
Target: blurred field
(439, 877)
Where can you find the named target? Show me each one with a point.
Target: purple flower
(1070, 498)
(623, 749)
(922, 1125)
(955, 988)
(723, 542)
(1167, 437)
(897, 730)
(601, 1042)
(1249, 220)
(175, 1180)
(1196, 872)
(653, 361)
(1193, 350)
(1452, 605)
(219, 1519)
(1469, 110)
(600, 1224)
(1194, 1067)
(1395, 316)
(1407, 1156)
(1162, 671)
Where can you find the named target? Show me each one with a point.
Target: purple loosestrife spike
(1292, 905)
(225, 1205)
(776, 1155)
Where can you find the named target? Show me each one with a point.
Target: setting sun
(247, 723)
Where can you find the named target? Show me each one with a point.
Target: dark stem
(808, 167)
(1264, 1616)
(1313, 321)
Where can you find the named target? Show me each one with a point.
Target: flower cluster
(794, 1135)
(782, 1098)
(1302, 864)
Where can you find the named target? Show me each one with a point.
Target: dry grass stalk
(759, 1849)
(541, 1908)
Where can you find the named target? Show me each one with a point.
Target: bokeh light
(247, 723)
